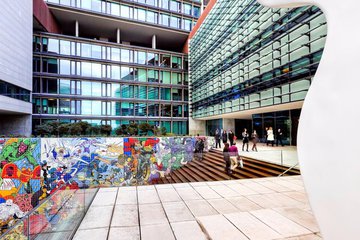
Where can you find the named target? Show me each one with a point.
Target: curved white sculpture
(328, 138)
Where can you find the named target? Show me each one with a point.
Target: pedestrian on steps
(226, 155)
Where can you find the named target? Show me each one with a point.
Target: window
(96, 51)
(126, 74)
(64, 106)
(165, 4)
(176, 62)
(196, 11)
(96, 5)
(96, 70)
(141, 57)
(175, 22)
(153, 93)
(53, 46)
(140, 109)
(49, 85)
(177, 111)
(96, 108)
(127, 91)
(186, 24)
(165, 94)
(115, 54)
(164, 19)
(127, 109)
(151, 17)
(65, 47)
(125, 11)
(141, 14)
(86, 88)
(187, 8)
(37, 64)
(125, 55)
(64, 67)
(64, 86)
(152, 59)
(166, 110)
(115, 72)
(115, 90)
(115, 9)
(86, 50)
(153, 76)
(174, 6)
(165, 60)
(50, 65)
(153, 110)
(37, 44)
(96, 89)
(176, 78)
(141, 75)
(176, 94)
(152, 2)
(86, 69)
(165, 77)
(142, 92)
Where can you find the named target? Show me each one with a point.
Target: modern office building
(112, 62)
(251, 66)
(15, 67)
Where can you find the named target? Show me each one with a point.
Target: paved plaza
(263, 208)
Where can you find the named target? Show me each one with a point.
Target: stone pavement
(263, 208)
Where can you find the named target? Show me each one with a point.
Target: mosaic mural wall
(32, 169)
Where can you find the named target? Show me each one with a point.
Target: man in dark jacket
(279, 137)
(217, 138)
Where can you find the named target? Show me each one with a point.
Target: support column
(118, 35)
(77, 28)
(153, 44)
(202, 7)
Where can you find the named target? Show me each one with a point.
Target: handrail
(290, 168)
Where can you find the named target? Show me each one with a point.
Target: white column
(153, 41)
(77, 28)
(118, 35)
(202, 7)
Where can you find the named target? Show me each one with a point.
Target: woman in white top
(270, 136)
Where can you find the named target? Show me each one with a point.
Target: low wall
(32, 168)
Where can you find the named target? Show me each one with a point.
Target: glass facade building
(247, 59)
(92, 77)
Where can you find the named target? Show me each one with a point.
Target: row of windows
(13, 91)
(114, 90)
(107, 108)
(116, 54)
(140, 14)
(176, 127)
(115, 72)
(112, 7)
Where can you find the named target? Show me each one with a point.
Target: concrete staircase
(212, 168)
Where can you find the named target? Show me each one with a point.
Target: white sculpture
(328, 138)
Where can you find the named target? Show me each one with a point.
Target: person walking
(224, 136)
(217, 138)
(231, 137)
(270, 136)
(199, 149)
(266, 136)
(279, 137)
(234, 156)
(254, 139)
(226, 155)
(245, 136)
